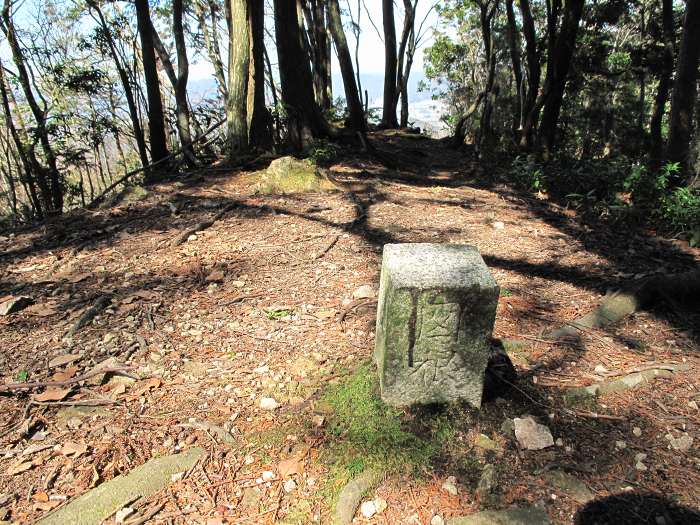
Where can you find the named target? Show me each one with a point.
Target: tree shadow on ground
(636, 508)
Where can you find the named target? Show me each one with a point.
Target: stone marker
(437, 306)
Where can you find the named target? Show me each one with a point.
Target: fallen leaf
(215, 276)
(118, 390)
(46, 506)
(42, 310)
(41, 496)
(293, 465)
(152, 383)
(325, 314)
(79, 277)
(65, 375)
(19, 468)
(71, 448)
(63, 360)
(53, 394)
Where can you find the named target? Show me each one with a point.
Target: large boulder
(292, 175)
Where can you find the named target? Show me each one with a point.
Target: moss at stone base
(290, 175)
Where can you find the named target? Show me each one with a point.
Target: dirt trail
(249, 309)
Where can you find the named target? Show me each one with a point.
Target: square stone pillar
(437, 306)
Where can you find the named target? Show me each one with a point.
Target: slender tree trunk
(259, 118)
(514, 48)
(156, 121)
(126, 85)
(55, 205)
(559, 63)
(680, 128)
(356, 119)
(304, 119)
(211, 43)
(182, 109)
(664, 88)
(239, 61)
(315, 16)
(390, 66)
(529, 112)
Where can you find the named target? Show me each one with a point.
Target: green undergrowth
(364, 433)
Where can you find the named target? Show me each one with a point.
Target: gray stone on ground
(525, 516)
(531, 435)
(101, 502)
(435, 315)
(570, 485)
(291, 175)
(14, 304)
(350, 496)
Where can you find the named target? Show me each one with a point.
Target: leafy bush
(323, 152)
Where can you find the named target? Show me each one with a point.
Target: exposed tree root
(203, 225)
(678, 290)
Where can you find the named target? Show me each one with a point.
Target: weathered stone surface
(101, 502)
(290, 175)
(350, 496)
(14, 304)
(437, 306)
(570, 485)
(531, 435)
(526, 516)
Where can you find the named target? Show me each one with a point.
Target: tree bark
(514, 48)
(680, 129)
(211, 43)
(259, 118)
(529, 115)
(239, 62)
(304, 119)
(390, 66)
(663, 90)
(156, 121)
(356, 118)
(183, 68)
(558, 62)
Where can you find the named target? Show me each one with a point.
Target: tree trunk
(316, 22)
(514, 48)
(211, 43)
(304, 119)
(126, 86)
(55, 200)
(156, 121)
(259, 118)
(182, 109)
(356, 119)
(529, 113)
(662, 92)
(680, 129)
(559, 62)
(239, 61)
(390, 66)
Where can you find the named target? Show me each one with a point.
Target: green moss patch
(290, 175)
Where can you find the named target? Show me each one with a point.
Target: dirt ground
(260, 305)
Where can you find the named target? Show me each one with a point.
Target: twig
(78, 403)
(91, 313)
(328, 247)
(201, 225)
(241, 297)
(143, 519)
(41, 384)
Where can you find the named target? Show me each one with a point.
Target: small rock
(559, 442)
(638, 462)
(437, 520)
(485, 442)
(487, 481)
(262, 369)
(290, 485)
(600, 369)
(531, 435)
(498, 225)
(318, 420)
(681, 444)
(620, 445)
(215, 276)
(192, 237)
(238, 284)
(693, 405)
(637, 431)
(122, 514)
(268, 403)
(380, 504)
(268, 475)
(15, 304)
(368, 509)
(365, 291)
(450, 485)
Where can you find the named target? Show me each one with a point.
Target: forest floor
(260, 305)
